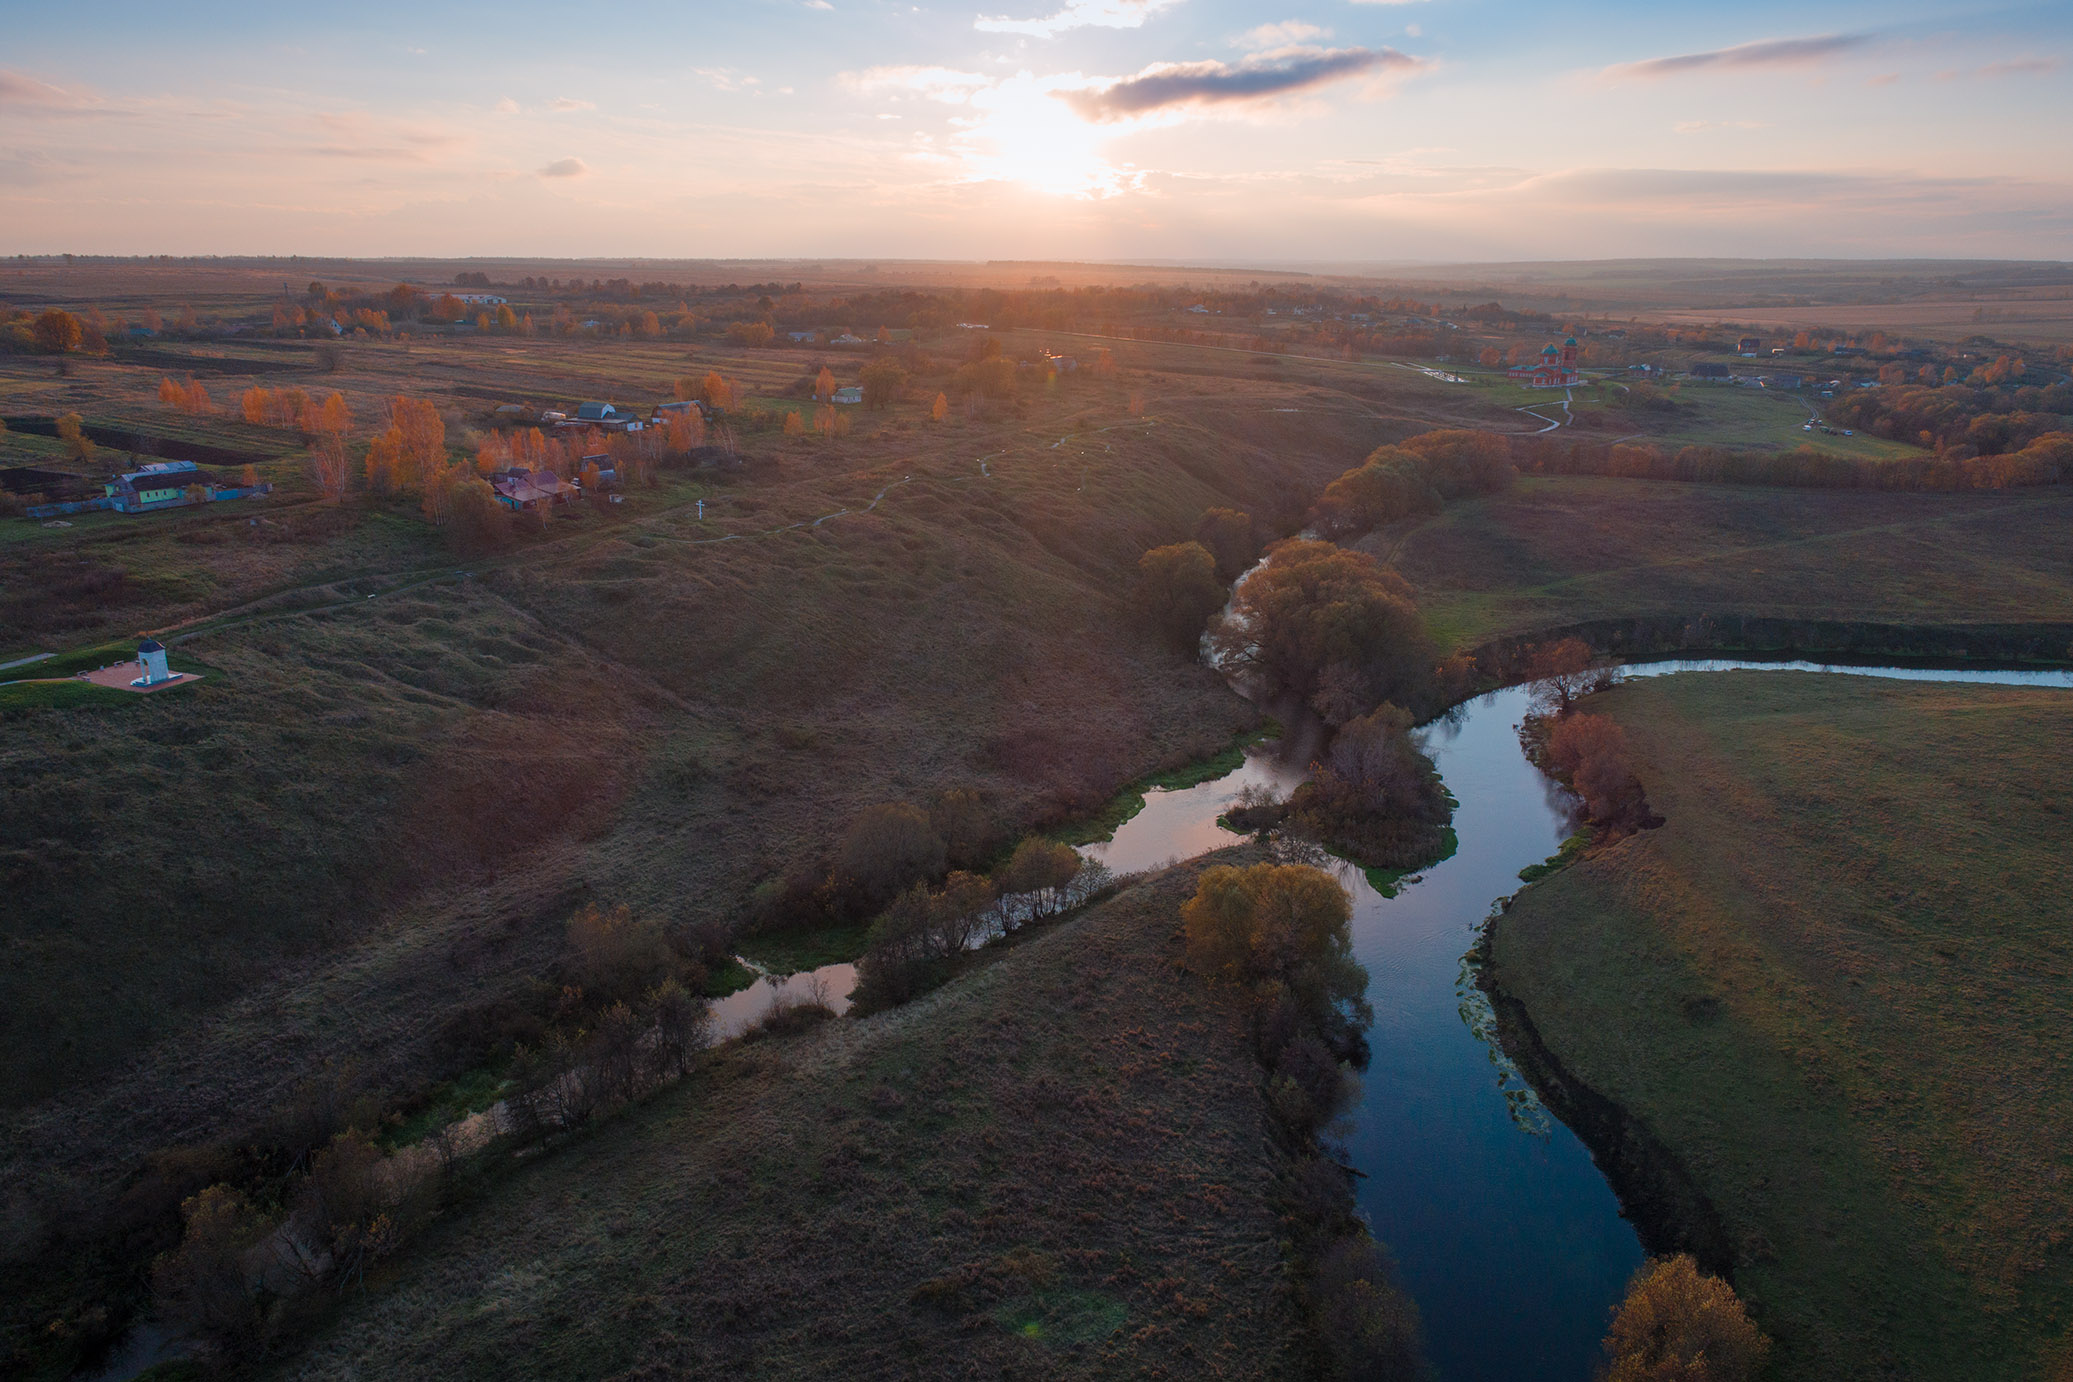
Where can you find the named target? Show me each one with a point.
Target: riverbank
(1811, 1025)
(1058, 1165)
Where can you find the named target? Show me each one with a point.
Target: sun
(1020, 131)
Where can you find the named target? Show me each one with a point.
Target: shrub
(618, 954)
(1589, 752)
(1041, 871)
(208, 1284)
(1177, 591)
(1231, 538)
(889, 847)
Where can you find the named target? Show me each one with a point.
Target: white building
(151, 660)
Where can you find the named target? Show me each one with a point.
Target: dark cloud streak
(1165, 85)
(1770, 52)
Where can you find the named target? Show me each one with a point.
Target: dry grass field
(1836, 985)
(1058, 1166)
(410, 762)
(1560, 550)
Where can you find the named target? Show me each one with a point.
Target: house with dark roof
(160, 485)
(530, 489)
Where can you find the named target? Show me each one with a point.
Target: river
(1503, 1229)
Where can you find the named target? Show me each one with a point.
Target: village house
(1749, 345)
(531, 489)
(850, 393)
(1555, 369)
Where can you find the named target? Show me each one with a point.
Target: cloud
(507, 106)
(1167, 85)
(818, 5)
(570, 103)
(2020, 67)
(1282, 35)
(1078, 14)
(23, 93)
(565, 168)
(1769, 53)
(725, 78)
(934, 83)
(1700, 126)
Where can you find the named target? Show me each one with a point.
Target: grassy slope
(1077, 1125)
(381, 813)
(1836, 984)
(1554, 551)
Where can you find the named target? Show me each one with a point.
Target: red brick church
(1555, 369)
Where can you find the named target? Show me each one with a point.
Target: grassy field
(369, 825)
(1836, 985)
(1058, 1166)
(1560, 550)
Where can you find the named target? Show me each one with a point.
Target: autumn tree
(1317, 609)
(57, 332)
(824, 385)
(884, 381)
(475, 518)
(1590, 753)
(1039, 870)
(1564, 670)
(1678, 1325)
(328, 466)
(1373, 797)
(940, 409)
(618, 952)
(1231, 538)
(961, 818)
(715, 391)
(1284, 931)
(686, 431)
(72, 432)
(888, 847)
(1177, 590)
(208, 1283)
(793, 426)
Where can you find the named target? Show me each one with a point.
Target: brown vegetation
(1677, 1325)
(1373, 797)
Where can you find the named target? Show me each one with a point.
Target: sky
(1366, 131)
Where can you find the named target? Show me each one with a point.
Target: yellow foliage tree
(1677, 1325)
(793, 426)
(940, 409)
(823, 385)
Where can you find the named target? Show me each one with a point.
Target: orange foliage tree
(1677, 1325)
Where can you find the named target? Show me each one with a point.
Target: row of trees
(2048, 460)
(913, 942)
(1278, 935)
(264, 407)
(1415, 476)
